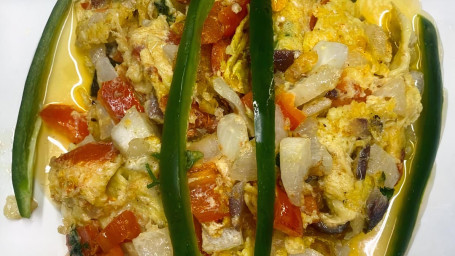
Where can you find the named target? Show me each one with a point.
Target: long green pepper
(261, 50)
(28, 123)
(173, 176)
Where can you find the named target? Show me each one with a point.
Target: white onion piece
(309, 128)
(104, 69)
(295, 160)
(331, 53)
(223, 89)
(418, 80)
(323, 79)
(208, 145)
(230, 238)
(381, 161)
(320, 156)
(245, 167)
(133, 125)
(308, 252)
(171, 51)
(280, 132)
(394, 88)
(316, 106)
(155, 242)
(232, 135)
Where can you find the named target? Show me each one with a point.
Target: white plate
(21, 25)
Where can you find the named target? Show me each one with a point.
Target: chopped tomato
(66, 120)
(117, 96)
(230, 19)
(288, 218)
(310, 205)
(122, 228)
(219, 55)
(278, 5)
(88, 234)
(95, 151)
(115, 251)
(202, 120)
(207, 204)
(175, 34)
(286, 102)
(223, 20)
(247, 100)
(212, 30)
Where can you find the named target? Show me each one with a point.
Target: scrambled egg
(366, 97)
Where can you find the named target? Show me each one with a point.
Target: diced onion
(133, 125)
(308, 252)
(155, 242)
(171, 51)
(104, 69)
(230, 238)
(381, 161)
(223, 89)
(232, 135)
(394, 88)
(331, 53)
(208, 145)
(316, 106)
(323, 79)
(244, 167)
(295, 160)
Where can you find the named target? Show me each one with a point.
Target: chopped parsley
(164, 9)
(155, 181)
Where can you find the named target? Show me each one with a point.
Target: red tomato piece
(88, 234)
(219, 54)
(288, 218)
(286, 103)
(117, 96)
(207, 204)
(231, 20)
(66, 120)
(212, 31)
(247, 100)
(96, 151)
(122, 228)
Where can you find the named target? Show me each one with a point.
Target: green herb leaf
(74, 243)
(192, 157)
(156, 155)
(155, 181)
(164, 9)
(387, 192)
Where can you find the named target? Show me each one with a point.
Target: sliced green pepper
(261, 49)
(28, 123)
(173, 176)
(428, 131)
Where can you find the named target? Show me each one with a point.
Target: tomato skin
(212, 31)
(90, 152)
(286, 103)
(219, 54)
(207, 204)
(117, 96)
(247, 100)
(288, 218)
(66, 120)
(121, 228)
(88, 234)
(231, 20)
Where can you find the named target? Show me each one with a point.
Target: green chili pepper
(173, 176)
(261, 49)
(428, 131)
(28, 123)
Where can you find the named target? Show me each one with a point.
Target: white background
(21, 25)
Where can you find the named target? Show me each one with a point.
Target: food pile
(345, 96)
